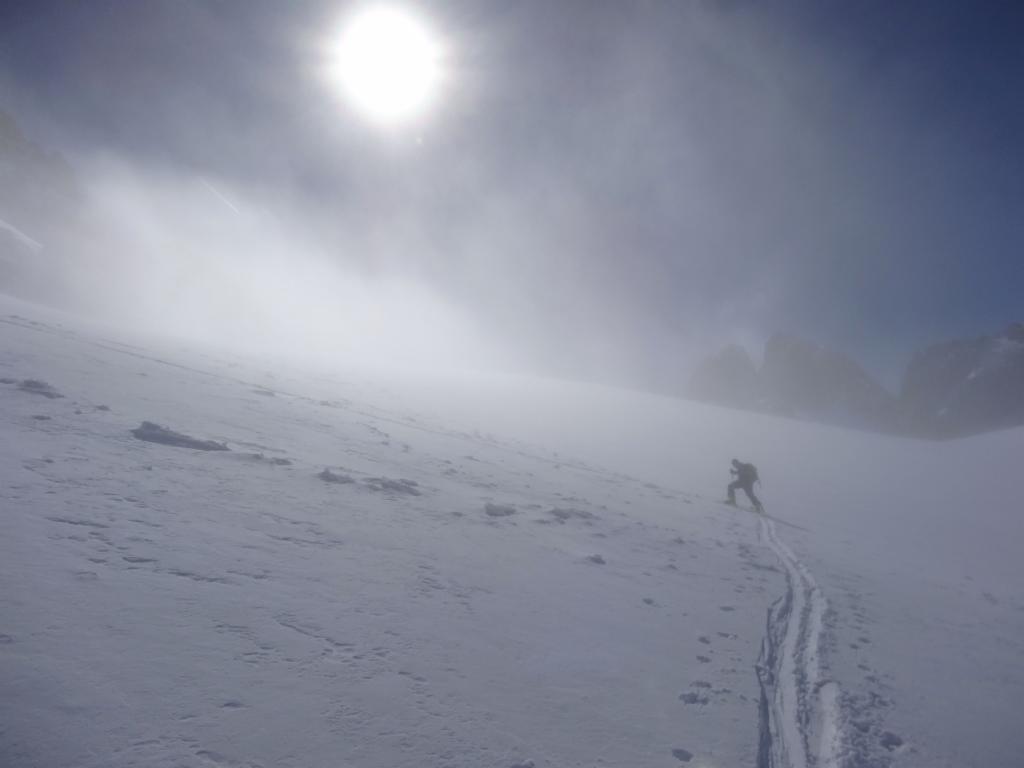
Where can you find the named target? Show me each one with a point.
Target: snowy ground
(496, 572)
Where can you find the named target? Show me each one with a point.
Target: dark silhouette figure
(746, 476)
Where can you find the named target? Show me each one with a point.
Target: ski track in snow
(800, 726)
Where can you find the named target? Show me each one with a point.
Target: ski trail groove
(799, 710)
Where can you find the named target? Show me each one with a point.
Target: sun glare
(388, 64)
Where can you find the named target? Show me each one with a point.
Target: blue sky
(615, 187)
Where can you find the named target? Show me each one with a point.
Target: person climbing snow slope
(746, 476)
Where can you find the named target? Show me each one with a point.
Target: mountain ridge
(949, 389)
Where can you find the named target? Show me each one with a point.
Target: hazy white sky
(602, 190)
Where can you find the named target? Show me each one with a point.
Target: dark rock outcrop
(333, 477)
(965, 386)
(807, 380)
(799, 379)
(952, 389)
(155, 433)
(36, 387)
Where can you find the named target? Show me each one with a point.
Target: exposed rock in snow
(36, 387)
(332, 477)
(154, 433)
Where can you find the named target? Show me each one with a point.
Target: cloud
(606, 191)
(188, 257)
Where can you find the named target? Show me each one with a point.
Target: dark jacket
(746, 474)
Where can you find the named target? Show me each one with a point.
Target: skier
(746, 476)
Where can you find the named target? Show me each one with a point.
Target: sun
(388, 64)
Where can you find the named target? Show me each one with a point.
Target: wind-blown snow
(20, 237)
(479, 572)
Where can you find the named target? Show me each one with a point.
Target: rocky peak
(805, 379)
(966, 386)
(798, 378)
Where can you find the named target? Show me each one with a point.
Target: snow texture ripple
(799, 708)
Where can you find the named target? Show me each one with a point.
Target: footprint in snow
(258, 457)
(563, 515)
(331, 477)
(891, 741)
(387, 484)
(499, 510)
(693, 698)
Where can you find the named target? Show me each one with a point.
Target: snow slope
(492, 572)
